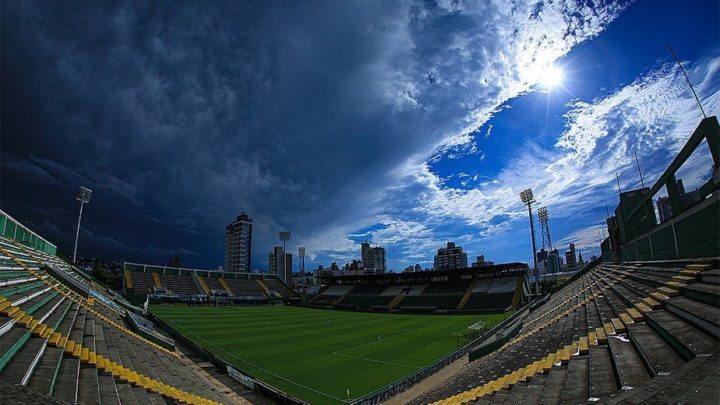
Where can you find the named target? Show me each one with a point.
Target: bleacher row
(141, 283)
(471, 294)
(56, 342)
(635, 333)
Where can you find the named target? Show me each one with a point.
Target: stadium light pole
(527, 198)
(84, 197)
(544, 217)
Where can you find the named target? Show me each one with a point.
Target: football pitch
(318, 355)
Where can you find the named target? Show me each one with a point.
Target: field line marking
(437, 341)
(379, 339)
(256, 366)
(378, 361)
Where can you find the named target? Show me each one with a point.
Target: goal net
(476, 330)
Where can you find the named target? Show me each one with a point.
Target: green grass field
(316, 355)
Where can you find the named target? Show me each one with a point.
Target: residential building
(541, 255)
(552, 263)
(450, 257)
(272, 267)
(287, 273)
(481, 262)
(276, 261)
(238, 244)
(571, 258)
(373, 258)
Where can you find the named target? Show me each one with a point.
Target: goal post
(476, 330)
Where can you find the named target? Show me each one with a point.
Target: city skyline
(408, 125)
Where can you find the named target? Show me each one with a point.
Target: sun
(552, 77)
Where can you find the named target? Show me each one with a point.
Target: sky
(404, 123)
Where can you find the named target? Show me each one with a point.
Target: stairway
(343, 296)
(264, 287)
(467, 295)
(396, 301)
(203, 284)
(225, 286)
(156, 280)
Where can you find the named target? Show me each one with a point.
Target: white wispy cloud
(653, 117)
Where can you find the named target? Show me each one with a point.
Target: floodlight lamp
(284, 236)
(84, 195)
(526, 196)
(543, 213)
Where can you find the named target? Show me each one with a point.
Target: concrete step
(699, 267)
(628, 364)
(703, 316)
(657, 354)
(601, 377)
(710, 276)
(575, 388)
(703, 292)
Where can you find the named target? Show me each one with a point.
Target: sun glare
(552, 77)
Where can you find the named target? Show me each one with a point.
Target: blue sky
(405, 123)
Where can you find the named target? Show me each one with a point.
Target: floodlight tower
(544, 227)
(545, 230)
(301, 255)
(84, 197)
(527, 199)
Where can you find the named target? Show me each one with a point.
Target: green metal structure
(693, 231)
(10, 228)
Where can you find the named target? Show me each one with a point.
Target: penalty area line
(378, 361)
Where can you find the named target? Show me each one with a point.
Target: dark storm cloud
(197, 111)
(181, 115)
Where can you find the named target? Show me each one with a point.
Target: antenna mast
(697, 99)
(637, 162)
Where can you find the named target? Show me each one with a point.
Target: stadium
(639, 324)
(349, 202)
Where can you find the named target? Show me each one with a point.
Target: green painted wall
(9, 228)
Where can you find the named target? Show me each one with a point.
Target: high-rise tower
(238, 244)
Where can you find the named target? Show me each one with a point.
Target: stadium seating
(404, 289)
(444, 296)
(77, 349)
(245, 288)
(445, 301)
(142, 283)
(635, 332)
(214, 284)
(500, 301)
(332, 294)
(278, 287)
(493, 293)
(487, 294)
(366, 296)
(181, 285)
(171, 284)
